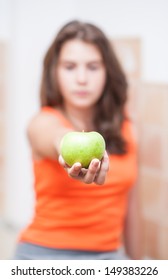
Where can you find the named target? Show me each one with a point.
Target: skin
(81, 75)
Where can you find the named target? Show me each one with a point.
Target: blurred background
(139, 32)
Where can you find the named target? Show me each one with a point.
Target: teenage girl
(82, 213)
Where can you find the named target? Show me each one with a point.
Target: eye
(93, 67)
(69, 66)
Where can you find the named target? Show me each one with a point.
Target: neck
(81, 119)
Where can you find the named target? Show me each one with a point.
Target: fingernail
(77, 166)
(95, 163)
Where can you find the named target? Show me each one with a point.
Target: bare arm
(45, 132)
(132, 232)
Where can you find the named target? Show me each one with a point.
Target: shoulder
(43, 132)
(41, 120)
(129, 131)
(129, 128)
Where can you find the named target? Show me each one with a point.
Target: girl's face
(81, 74)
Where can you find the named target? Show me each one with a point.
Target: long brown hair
(109, 112)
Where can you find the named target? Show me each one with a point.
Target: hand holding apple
(82, 147)
(95, 173)
(85, 149)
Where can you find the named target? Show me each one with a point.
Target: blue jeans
(29, 251)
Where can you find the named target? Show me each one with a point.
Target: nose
(81, 75)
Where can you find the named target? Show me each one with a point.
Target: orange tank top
(72, 215)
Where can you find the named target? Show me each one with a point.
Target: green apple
(82, 147)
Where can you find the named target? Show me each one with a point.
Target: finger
(60, 159)
(92, 170)
(75, 170)
(82, 174)
(62, 162)
(101, 176)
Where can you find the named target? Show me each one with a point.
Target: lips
(81, 93)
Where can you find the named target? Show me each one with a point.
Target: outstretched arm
(45, 133)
